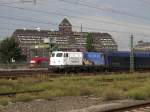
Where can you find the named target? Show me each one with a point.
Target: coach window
(59, 55)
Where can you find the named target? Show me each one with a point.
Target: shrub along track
(106, 80)
(20, 92)
(103, 79)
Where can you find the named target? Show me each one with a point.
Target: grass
(23, 98)
(111, 93)
(4, 101)
(108, 87)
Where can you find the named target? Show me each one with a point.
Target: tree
(89, 42)
(9, 50)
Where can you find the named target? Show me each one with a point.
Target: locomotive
(97, 61)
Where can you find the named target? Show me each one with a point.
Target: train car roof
(118, 53)
(66, 52)
(127, 53)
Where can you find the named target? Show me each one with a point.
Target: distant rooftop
(65, 22)
(142, 43)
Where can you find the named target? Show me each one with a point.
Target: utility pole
(131, 55)
(81, 37)
(81, 28)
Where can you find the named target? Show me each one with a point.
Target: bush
(137, 95)
(4, 101)
(87, 90)
(23, 98)
(45, 95)
(49, 94)
(112, 94)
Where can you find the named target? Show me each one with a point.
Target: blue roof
(142, 54)
(127, 54)
(119, 53)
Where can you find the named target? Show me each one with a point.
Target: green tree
(89, 42)
(9, 49)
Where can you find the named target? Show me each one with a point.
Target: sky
(120, 18)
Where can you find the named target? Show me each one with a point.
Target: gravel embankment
(53, 105)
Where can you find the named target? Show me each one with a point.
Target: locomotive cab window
(53, 54)
(59, 55)
(66, 55)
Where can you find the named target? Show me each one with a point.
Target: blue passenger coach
(117, 60)
(142, 60)
(121, 60)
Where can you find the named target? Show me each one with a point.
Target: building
(103, 42)
(142, 46)
(64, 39)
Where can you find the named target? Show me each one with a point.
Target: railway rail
(127, 106)
(15, 73)
(139, 107)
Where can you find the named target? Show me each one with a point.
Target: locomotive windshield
(59, 54)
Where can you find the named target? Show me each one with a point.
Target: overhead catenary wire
(84, 18)
(27, 20)
(4, 28)
(20, 1)
(145, 1)
(41, 22)
(12, 2)
(56, 12)
(104, 21)
(90, 5)
(17, 25)
(51, 23)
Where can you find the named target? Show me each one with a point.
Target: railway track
(14, 73)
(139, 107)
(127, 106)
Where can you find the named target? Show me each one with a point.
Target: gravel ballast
(53, 105)
(67, 104)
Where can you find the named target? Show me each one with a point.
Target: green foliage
(140, 93)
(9, 49)
(89, 42)
(4, 101)
(24, 98)
(108, 87)
(112, 94)
(137, 94)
